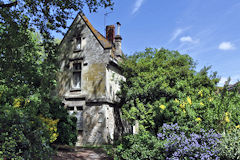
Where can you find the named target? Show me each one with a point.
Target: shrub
(138, 147)
(22, 135)
(229, 148)
(178, 145)
(172, 143)
(66, 127)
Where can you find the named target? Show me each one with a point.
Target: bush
(66, 127)
(229, 148)
(171, 143)
(22, 135)
(178, 145)
(138, 147)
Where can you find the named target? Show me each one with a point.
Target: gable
(99, 37)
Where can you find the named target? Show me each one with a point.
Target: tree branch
(9, 4)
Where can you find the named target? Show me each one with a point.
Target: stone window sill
(77, 50)
(75, 90)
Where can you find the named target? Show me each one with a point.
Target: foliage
(45, 15)
(22, 136)
(138, 147)
(178, 145)
(171, 143)
(66, 127)
(229, 148)
(28, 67)
(161, 87)
(27, 83)
(51, 126)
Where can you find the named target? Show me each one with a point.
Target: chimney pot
(118, 28)
(118, 41)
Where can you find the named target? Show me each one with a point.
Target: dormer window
(78, 44)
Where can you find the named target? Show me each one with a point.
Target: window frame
(78, 39)
(72, 87)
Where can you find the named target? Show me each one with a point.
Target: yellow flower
(176, 100)
(210, 99)
(201, 103)
(238, 126)
(17, 102)
(53, 137)
(227, 113)
(52, 127)
(26, 102)
(198, 119)
(184, 111)
(182, 106)
(189, 100)
(200, 93)
(227, 119)
(163, 107)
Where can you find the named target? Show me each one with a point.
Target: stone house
(89, 79)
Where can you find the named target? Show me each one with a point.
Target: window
(78, 45)
(79, 115)
(76, 76)
(77, 111)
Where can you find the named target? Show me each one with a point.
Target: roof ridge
(102, 40)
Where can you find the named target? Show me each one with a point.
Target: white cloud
(234, 79)
(226, 46)
(177, 33)
(222, 81)
(137, 5)
(188, 39)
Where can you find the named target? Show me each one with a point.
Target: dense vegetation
(181, 112)
(31, 115)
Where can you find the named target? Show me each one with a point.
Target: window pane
(78, 44)
(70, 108)
(76, 79)
(77, 66)
(79, 108)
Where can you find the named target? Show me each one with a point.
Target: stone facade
(89, 80)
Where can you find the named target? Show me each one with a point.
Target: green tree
(28, 67)
(161, 86)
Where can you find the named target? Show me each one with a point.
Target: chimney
(110, 33)
(118, 41)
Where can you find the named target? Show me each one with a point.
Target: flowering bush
(178, 145)
(172, 143)
(51, 126)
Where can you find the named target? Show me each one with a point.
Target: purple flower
(195, 146)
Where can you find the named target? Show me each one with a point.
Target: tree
(30, 110)
(158, 83)
(44, 14)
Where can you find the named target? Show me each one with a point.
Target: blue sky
(207, 30)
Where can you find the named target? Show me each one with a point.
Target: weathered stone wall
(98, 123)
(113, 78)
(94, 60)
